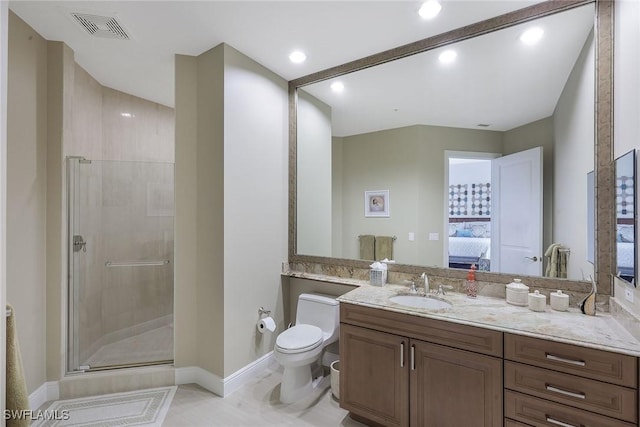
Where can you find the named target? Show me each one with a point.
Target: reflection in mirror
(390, 126)
(626, 250)
(591, 217)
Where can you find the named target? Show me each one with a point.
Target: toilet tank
(319, 310)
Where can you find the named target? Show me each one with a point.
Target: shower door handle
(79, 243)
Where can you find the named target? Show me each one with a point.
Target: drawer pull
(565, 360)
(413, 357)
(402, 355)
(565, 392)
(560, 423)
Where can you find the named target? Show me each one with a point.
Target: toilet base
(296, 383)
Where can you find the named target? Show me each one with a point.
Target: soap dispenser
(472, 284)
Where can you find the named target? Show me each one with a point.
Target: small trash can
(335, 379)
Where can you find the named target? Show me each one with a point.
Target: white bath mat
(134, 408)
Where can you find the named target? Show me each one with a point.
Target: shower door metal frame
(73, 218)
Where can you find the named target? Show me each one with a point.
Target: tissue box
(377, 277)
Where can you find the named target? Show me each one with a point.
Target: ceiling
(330, 32)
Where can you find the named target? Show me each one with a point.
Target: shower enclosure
(120, 263)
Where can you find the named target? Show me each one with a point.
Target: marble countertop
(600, 332)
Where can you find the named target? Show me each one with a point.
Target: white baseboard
(46, 392)
(246, 374)
(223, 386)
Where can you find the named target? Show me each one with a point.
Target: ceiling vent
(101, 26)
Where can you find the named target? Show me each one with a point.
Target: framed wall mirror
(626, 217)
(397, 114)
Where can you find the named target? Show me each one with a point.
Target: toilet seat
(299, 338)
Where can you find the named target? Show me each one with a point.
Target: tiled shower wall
(128, 199)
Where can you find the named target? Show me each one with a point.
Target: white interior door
(516, 221)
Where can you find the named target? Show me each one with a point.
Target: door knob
(534, 259)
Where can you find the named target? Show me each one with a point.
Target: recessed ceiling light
(297, 57)
(429, 9)
(337, 86)
(448, 56)
(532, 36)
(127, 115)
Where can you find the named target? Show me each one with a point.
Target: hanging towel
(17, 398)
(367, 247)
(558, 260)
(384, 247)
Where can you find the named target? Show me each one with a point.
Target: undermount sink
(419, 301)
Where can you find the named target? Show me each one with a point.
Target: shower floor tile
(152, 346)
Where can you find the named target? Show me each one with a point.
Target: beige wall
(186, 226)
(336, 194)
(199, 269)
(59, 98)
(573, 130)
(409, 162)
(313, 157)
(26, 194)
(627, 103)
(231, 183)
(209, 248)
(255, 204)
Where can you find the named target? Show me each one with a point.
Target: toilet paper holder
(263, 312)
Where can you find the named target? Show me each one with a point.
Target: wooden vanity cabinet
(551, 383)
(373, 375)
(401, 370)
(451, 387)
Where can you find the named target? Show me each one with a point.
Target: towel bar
(136, 263)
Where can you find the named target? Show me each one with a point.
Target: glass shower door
(120, 221)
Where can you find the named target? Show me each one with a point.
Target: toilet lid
(299, 338)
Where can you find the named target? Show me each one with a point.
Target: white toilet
(299, 347)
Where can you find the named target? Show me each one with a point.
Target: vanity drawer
(540, 412)
(479, 340)
(511, 423)
(587, 362)
(606, 399)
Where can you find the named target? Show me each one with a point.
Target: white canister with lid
(559, 301)
(517, 293)
(537, 301)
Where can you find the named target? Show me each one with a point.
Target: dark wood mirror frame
(603, 143)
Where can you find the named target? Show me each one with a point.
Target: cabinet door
(453, 388)
(374, 379)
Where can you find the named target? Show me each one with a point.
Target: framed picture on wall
(376, 203)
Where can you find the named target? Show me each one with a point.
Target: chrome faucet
(426, 283)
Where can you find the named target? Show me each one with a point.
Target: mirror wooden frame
(603, 143)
